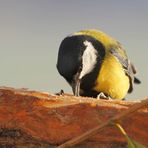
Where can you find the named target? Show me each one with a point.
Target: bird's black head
(80, 57)
(69, 57)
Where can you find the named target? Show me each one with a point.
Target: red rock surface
(30, 118)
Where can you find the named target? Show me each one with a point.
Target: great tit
(93, 63)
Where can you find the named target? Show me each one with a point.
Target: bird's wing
(128, 67)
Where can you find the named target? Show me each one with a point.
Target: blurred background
(32, 30)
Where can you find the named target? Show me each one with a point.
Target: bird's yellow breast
(112, 79)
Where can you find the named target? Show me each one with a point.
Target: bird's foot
(61, 93)
(101, 95)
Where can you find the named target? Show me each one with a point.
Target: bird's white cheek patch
(89, 59)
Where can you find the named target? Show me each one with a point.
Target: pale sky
(32, 30)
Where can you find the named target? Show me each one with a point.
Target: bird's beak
(76, 87)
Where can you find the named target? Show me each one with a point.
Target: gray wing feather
(128, 67)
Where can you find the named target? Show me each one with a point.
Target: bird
(95, 64)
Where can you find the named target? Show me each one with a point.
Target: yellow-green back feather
(105, 39)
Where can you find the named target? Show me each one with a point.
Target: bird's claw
(61, 93)
(101, 95)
